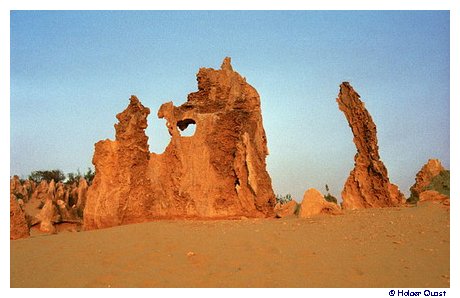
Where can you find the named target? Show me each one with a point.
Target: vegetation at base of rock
(297, 209)
(330, 198)
(313, 203)
(439, 183)
(283, 199)
(89, 175)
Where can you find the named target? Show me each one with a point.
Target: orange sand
(390, 247)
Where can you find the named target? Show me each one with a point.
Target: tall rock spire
(368, 184)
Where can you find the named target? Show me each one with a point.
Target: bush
(330, 198)
(58, 176)
(413, 199)
(38, 176)
(89, 175)
(297, 209)
(283, 199)
(441, 183)
(73, 178)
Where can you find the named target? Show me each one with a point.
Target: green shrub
(89, 175)
(38, 176)
(441, 183)
(330, 198)
(413, 199)
(297, 209)
(73, 178)
(283, 199)
(58, 176)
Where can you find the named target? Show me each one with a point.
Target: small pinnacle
(346, 86)
(226, 64)
(133, 99)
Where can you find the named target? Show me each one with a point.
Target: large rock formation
(18, 224)
(368, 184)
(219, 172)
(313, 203)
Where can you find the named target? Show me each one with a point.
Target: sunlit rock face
(313, 203)
(219, 172)
(368, 185)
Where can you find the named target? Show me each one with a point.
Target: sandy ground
(391, 247)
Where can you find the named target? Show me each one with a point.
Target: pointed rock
(227, 64)
(18, 224)
(82, 190)
(47, 216)
(368, 184)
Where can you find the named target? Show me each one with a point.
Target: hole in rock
(187, 127)
(158, 134)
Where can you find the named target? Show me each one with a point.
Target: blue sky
(72, 72)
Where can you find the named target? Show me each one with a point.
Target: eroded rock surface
(433, 196)
(48, 216)
(18, 224)
(368, 184)
(219, 172)
(313, 203)
(286, 209)
(81, 195)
